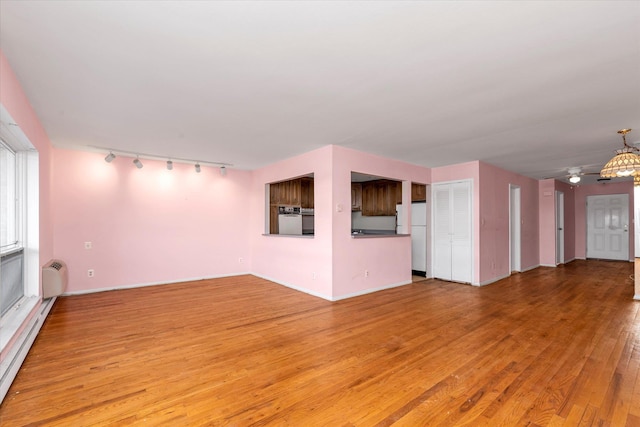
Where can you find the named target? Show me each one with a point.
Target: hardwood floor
(549, 347)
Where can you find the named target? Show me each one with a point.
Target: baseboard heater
(11, 364)
(54, 283)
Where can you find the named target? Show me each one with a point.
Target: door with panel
(441, 232)
(452, 232)
(461, 255)
(608, 227)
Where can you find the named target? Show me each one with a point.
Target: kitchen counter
(377, 236)
(367, 234)
(297, 236)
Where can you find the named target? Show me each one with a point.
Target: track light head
(198, 167)
(223, 170)
(169, 165)
(109, 157)
(138, 163)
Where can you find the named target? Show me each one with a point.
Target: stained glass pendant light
(626, 162)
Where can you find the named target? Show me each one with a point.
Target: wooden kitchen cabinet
(273, 219)
(274, 193)
(295, 194)
(379, 198)
(356, 196)
(306, 192)
(418, 192)
(285, 193)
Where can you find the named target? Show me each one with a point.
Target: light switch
(88, 245)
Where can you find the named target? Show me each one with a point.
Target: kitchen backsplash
(359, 222)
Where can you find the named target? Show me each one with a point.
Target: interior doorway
(514, 228)
(559, 227)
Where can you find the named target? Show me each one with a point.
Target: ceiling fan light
(574, 179)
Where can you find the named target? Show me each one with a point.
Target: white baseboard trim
(371, 290)
(19, 350)
(495, 279)
(636, 297)
(142, 285)
(294, 287)
(530, 268)
(548, 265)
(330, 298)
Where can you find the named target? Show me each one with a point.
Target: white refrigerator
(418, 235)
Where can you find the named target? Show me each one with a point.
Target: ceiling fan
(575, 174)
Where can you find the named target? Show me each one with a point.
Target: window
(289, 206)
(19, 228)
(8, 210)
(374, 204)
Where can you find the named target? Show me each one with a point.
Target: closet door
(441, 232)
(452, 232)
(461, 248)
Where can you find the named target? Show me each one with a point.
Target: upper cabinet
(294, 192)
(379, 197)
(418, 192)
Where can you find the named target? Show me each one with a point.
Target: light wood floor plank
(549, 347)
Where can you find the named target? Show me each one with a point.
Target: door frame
(559, 222)
(515, 220)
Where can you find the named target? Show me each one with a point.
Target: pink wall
(494, 256)
(335, 259)
(547, 221)
(15, 101)
(147, 225)
(491, 246)
(387, 260)
(581, 194)
(302, 263)
(17, 105)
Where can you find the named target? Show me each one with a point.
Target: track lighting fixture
(136, 161)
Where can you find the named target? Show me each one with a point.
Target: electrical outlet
(88, 245)
(366, 273)
(240, 260)
(90, 272)
(313, 275)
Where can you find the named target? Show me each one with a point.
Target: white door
(441, 234)
(452, 230)
(608, 227)
(461, 258)
(419, 237)
(514, 226)
(559, 227)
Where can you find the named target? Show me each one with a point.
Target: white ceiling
(532, 87)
